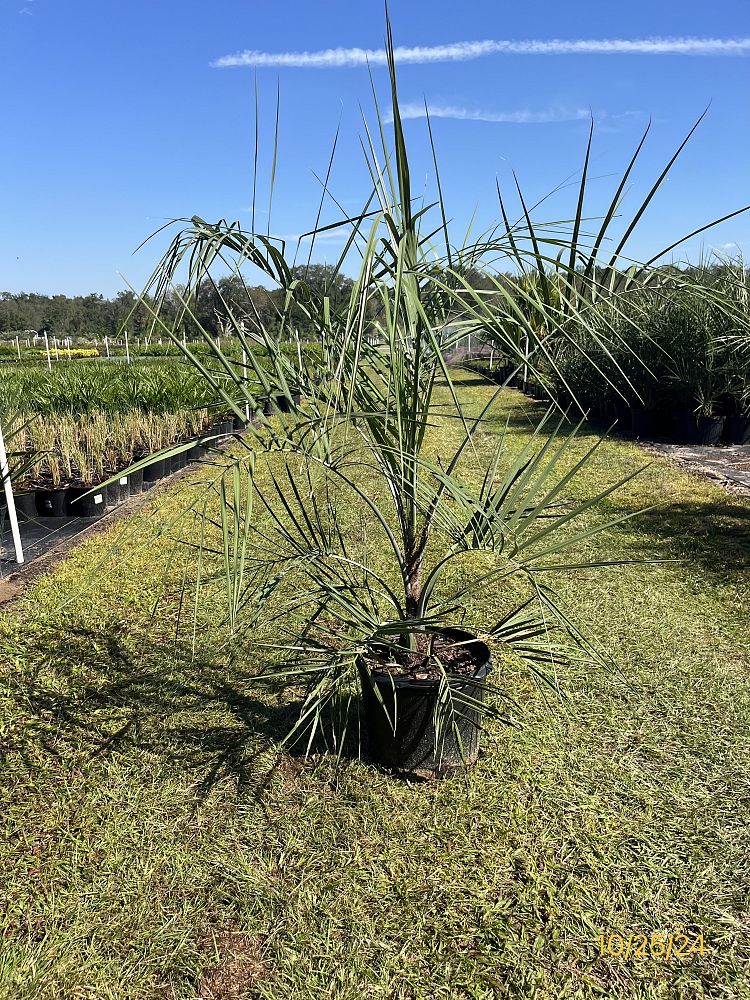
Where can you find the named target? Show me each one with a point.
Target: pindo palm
(339, 518)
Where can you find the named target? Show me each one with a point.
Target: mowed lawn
(158, 843)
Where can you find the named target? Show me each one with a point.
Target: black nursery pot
(81, 502)
(691, 429)
(286, 405)
(112, 493)
(51, 503)
(737, 428)
(135, 482)
(153, 472)
(25, 505)
(411, 749)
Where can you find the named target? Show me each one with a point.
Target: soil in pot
(406, 691)
(737, 428)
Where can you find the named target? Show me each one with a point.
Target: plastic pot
(154, 472)
(642, 423)
(238, 423)
(51, 503)
(124, 484)
(136, 482)
(701, 430)
(411, 748)
(112, 494)
(737, 428)
(81, 502)
(25, 505)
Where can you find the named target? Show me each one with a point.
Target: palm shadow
(95, 694)
(715, 535)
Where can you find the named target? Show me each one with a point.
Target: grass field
(158, 844)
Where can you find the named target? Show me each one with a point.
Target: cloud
(417, 110)
(462, 51)
(329, 236)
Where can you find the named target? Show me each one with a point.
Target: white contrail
(416, 110)
(461, 51)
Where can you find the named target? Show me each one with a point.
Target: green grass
(159, 844)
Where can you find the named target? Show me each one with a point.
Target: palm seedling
(369, 512)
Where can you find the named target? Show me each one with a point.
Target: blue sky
(116, 118)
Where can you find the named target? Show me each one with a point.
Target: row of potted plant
(680, 365)
(65, 462)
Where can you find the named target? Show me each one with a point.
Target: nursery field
(159, 841)
(76, 426)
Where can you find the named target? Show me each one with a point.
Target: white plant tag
(98, 498)
(124, 481)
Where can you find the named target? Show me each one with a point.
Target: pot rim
(482, 669)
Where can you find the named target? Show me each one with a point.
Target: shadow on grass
(93, 696)
(714, 535)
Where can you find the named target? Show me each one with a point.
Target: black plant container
(124, 484)
(25, 505)
(642, 423)
(411, 748)
(135, 482)
(737, 428)
(81, 502)
(112, 493)
(51, 503)
(701, 430)
(238, 423)
(154, 472)
(175, 464)
(286, 405)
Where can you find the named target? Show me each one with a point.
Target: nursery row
(677, 363)
(670, 362)
(84, 387)
(93, 492)
(660, 423)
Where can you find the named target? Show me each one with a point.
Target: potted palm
(456, 534)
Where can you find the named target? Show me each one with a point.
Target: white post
(127, 346)
(106, 345)
(46, 344)
(18, 348)
(9, 500)
(57, 353)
